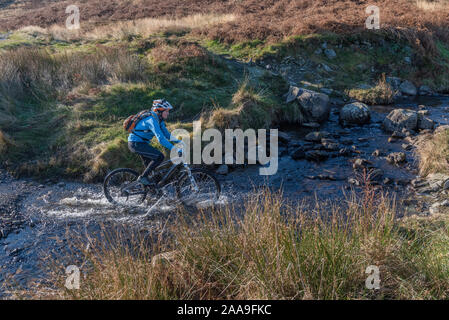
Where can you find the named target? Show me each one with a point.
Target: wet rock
(423, 112)
(398, 119)
(425, 91)
(360, 163)
(425, 123)
(408, 88)
(61, 185)
(330, 144)
(298, 154)
(397, 158)
(316, 136)
(322, 177)
(378, 153)
(317, 155)
(222, 169)
(398, 135)
(353, 181)
(355, 113)
(406, 146)
(345, 152)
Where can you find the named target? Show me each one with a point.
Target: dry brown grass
(433, 152)
(273, 251)
(248, 19)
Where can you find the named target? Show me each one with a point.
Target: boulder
(425, 123)
(355, 113)
(425, 91)
(394, 82)
(408, 88)
(399, 119)
(314, 106)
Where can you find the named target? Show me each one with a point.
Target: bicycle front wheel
(120, 187)
(205, 187)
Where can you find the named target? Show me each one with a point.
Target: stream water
(37, 220)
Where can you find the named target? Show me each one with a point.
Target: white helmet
(161, 105)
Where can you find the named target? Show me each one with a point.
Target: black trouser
(151, 157)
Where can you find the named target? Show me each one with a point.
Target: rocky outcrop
(355, 113)
(314, 106)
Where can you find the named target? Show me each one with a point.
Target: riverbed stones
(317, 155)
(394, 82)
(408, 88)
(316, 136)
(355, 113)
(397, 158)
(399, 119)
(298, 153)
(360, 164)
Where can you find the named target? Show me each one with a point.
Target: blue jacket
(152, 127)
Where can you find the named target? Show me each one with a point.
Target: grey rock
(425, 91)
(394, 82)
(330, 53)
(408, 88)
(355, 113)
(314, 105)
(398, 119)
(316, 136)
(425, 123)
(397, 158)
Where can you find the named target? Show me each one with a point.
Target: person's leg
(151, 156)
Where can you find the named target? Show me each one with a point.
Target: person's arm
(167, 134)
(156, 129)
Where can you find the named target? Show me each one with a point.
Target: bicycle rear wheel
(208, 187)
(120, 187)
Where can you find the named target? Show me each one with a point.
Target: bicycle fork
(192, 179)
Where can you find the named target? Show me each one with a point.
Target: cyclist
(145, 130)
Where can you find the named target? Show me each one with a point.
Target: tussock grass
(381, 93)
(248, 109)
(433, 152)
(148, 26)
(432, 5)
(273, 250)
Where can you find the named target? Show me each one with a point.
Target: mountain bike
(189, 185)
